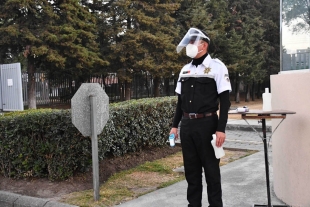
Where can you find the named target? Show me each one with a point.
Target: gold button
(190, 101)
(192, 86)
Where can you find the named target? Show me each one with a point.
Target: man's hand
(220, 138)
(175, 132)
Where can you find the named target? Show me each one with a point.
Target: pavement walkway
(243, 181)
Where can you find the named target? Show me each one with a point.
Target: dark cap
(194, 37)
(206, 39)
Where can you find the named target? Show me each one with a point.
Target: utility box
(11, 96)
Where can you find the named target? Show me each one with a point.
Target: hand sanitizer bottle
(267, 100)
(219, 151)
(171, 140)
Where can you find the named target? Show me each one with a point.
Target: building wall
(291, 141)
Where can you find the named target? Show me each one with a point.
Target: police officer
(202, 84)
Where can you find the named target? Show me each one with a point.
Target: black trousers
(196, 136)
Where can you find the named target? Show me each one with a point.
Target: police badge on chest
(207, 70)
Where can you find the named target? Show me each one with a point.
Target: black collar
(198, 61)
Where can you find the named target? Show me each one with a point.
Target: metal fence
(296, 61)
(59, 91)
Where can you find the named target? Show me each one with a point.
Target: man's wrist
(220, 130)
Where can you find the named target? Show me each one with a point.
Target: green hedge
(44, 142)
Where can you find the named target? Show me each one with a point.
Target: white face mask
(192, 50)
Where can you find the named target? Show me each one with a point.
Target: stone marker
(90, 113)
(80, 108)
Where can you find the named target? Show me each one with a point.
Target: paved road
(245, 140)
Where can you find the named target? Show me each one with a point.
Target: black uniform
(201, 85)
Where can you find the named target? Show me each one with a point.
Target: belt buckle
(192, 114)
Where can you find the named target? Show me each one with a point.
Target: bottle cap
(266, 90)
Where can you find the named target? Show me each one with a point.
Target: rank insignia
(185, 72)
(207, 70)
(227, 77)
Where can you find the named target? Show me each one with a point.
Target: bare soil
(43, 188)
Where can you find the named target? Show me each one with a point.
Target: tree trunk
(233, 85)
(121, 91)
(253, 91)
(127, 90)
(156, 86)
(166, 87)
(258, 91)
(247, 93)
(31, 85)
(237, 94)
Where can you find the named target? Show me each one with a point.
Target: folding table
(263, 115)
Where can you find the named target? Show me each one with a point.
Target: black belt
(197, 116)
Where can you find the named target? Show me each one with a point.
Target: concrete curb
(242, 127)
(247, 125)
(8, 199)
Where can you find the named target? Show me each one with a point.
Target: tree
(271, 23)
(254, 21)
(79, 38)
(142, 39)
(297, 14)
(58, 37)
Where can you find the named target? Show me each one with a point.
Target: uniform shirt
(199, 86)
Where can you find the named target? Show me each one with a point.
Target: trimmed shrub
(45, 143)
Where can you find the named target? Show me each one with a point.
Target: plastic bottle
(171, 140)
(267, 100)
(219, 151)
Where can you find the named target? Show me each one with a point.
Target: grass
(145, 178)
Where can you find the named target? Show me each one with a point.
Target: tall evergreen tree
(142, 39)
(270, 12)
(249, 23)
(58, 37)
